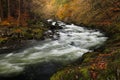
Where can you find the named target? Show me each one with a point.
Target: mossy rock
(87, 57)
(75, 73)
(3, 40)
(37, 33)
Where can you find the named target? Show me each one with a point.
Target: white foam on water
(73, 42)
(10, 54)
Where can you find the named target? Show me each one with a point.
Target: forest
(14, 12)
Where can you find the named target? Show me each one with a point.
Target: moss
(88, 57)
(72, 73)
(67, 74)
(85, 72)
(3, 40)
(58, 77)
(37, 33)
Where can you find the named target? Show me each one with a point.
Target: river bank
(102, 64)
(14, 38)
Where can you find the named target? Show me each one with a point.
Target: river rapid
(68, 45)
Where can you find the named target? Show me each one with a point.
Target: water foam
(73, 42)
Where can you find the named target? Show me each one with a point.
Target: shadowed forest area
(14, 12)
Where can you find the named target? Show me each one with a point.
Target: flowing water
(70, 44)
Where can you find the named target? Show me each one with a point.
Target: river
(42, 59)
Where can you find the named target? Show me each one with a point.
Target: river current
(68, 45)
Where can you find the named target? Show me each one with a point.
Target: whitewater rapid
(72, 43)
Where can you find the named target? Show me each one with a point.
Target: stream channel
(40, 61)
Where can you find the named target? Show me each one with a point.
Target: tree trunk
(9, 9)
(19, 12)
(1, 11)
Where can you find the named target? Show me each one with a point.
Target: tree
(1, 11)
(9, 9)
(19, 12)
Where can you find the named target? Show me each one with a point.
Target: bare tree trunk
(19, 12)
(1, 11)
(25, 6)
(9, 9)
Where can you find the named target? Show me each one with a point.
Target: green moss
(37, 33)
(27, 32)
(57, 77)
(88, 57)
(66, 74)
(85, 72)
(3, 40)
(75, 73)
